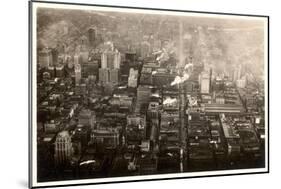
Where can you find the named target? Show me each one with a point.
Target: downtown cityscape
(128, 94)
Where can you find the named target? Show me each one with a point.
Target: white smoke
(192, 101)
(187, 69)
(179, 80)
(187, 66)
(169, 101)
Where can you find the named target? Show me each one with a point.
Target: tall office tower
(153, 113)
(77, 70)
(143, 95)
(205, 83)
(131, 56)
(237, 73)
(92, 35)
(145, 49)
(55, 54)
(117, 59)
(133, 78)
(103, 60)
(59, 70)
(114, 75)
(77, 59)
(110, 65)
(84, 56)
(103, 75)
(63, 148)
(111, 59)
(45, 58)
(87, 118)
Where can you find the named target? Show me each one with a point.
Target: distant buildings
(241, 83)
(237, 73)
(133, 109)
(45, 58)
(92, 36)
(145, 49)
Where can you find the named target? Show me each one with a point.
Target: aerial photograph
(131, 93)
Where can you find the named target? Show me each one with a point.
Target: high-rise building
(241, 83)
(146, 76)
(133, 78)
(111, 59)
(45, 58)
(90, 69)
(92, 35)
(237, 73)
(103, 75)
(130, 56)
(143, 97)
(153, 112)
(77, 59)
(63, 148)
(51, 71)
(77, 70)
(84, 57)
(59, 70)
(117, 59)
(103, 60)
(114, 75)
(55, 55)
(143, 93)
(110, 65)
(145, 49)
(87, 118)
(205, 83)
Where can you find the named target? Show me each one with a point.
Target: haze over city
(127, 94)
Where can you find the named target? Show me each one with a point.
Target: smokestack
(181, 56)
(210, 84)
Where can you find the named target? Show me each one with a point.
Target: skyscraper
(133, 78)
(110, 65)
(114, 75)
(63, 148)
(205, 83)
(77, 70)
(77, 59)
(92, 35)
(104, 60)
(181, 56)
(103, 75)
(111, 59)
(45, 58)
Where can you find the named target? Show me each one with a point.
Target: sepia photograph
(124, 94)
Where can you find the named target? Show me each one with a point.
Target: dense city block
(122, 94)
